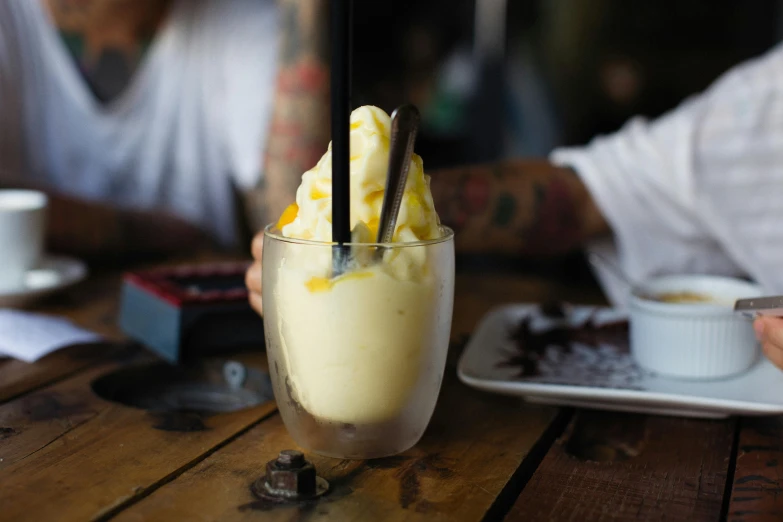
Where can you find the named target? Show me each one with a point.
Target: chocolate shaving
(531, 345)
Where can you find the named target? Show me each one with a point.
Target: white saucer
(53, 274)
(605, 376)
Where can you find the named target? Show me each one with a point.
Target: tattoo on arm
(107, 39)
(299, 130)
(520, 207)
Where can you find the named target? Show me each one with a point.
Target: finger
(253, 278)
(758, 327)
(256, 302)
(257, 247)
(773, 353)
(769, 329)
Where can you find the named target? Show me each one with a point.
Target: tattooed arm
(100, 232)
(527, 207)
(299, 131)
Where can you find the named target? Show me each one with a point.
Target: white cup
(22, 224)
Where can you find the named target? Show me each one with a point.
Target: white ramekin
(693, 340)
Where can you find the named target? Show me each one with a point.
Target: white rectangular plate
(599, 372)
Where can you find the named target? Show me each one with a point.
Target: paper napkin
(28, 336)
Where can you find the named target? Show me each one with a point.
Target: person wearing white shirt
(151, 124)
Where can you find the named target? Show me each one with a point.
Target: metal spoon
(404, 126)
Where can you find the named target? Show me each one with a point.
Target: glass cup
(357, 360)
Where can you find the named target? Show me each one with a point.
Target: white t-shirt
(700, 190)
(191, 124)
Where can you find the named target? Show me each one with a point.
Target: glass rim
(448, 235)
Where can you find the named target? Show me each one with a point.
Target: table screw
(235, 374)
(291, 459)
(290, 478)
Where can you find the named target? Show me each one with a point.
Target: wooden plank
(473, 446)
(18, 377)
(631, 467)
(757, 489)
(36, 420)
(95, 455)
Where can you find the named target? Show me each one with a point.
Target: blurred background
(499, 78)
(506, 78)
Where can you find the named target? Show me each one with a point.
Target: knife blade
(754, 306)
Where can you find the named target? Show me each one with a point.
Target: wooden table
(66, 454)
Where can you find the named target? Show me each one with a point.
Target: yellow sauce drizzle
(324, 284)
(288, 216)
(317, 193)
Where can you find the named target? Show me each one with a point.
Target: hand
(253, 275)
(769, 331)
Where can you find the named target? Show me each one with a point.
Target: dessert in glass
(357, 358)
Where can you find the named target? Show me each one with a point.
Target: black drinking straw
(341, 116)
